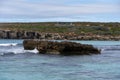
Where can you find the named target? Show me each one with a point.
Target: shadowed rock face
(62, 48)
(10, 34)
(29, 44)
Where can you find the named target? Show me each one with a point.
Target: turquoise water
(18, 64)
(95, 42)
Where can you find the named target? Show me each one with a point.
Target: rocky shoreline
(9, 34)
(61, 48)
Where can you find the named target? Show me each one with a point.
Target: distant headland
(61, 30)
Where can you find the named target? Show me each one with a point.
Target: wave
(9, 44)
(31, 51)
(18, 51)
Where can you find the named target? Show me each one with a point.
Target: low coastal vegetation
(66, 27)
(61, 30)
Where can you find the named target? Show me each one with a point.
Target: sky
(59, 10)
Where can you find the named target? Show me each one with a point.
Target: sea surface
(19, 64)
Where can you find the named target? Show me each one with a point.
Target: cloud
(27, 9)
(59, 10)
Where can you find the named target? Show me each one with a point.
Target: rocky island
(62, 48)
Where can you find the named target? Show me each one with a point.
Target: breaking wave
(14, 48)
(9, 44)
(18, 51)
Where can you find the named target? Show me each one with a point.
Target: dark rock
(29, 45)
(63, 48)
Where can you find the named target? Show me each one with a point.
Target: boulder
(29, 44)
(62, 48)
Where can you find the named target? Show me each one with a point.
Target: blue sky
(59, 10)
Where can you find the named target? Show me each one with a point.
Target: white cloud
(26, 9)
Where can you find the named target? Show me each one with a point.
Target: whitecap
(9, 44)
(32, 51)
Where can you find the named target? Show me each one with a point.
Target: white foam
(21, 50)
(32, 51)
(8, 44)
(18, 51)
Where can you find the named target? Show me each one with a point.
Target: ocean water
(19, 64)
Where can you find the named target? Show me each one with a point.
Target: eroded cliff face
(9, 34)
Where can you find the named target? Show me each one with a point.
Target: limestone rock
(62, 48)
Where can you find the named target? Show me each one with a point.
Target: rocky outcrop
(8, 34)
(62, 48)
